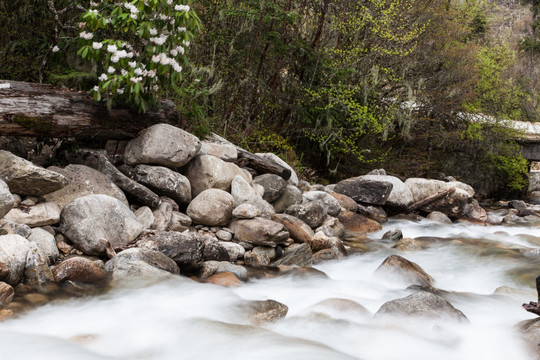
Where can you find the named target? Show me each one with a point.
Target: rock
(210, 268)
(439, 217)
(323, 255)
(407, 244)
(297, 254)
(259, 231)
(243, 193)
(327, 201)
(405, 270)
(214, 250)
(293, 180)
(393, 235)
(13, 252)
(260, 256)
(137, 269)
(6, 294)
(207, 172)
(227, 279)
(82, 181)
(298, 229)
(291, 195)
(245, 211)
(6, 199)
(163, 216)
(89, 219)
(374, 212)
(332, 227)
(185, 249)
(4, 271)
(365, 190)
(224, 235)
(164, 145)
(25, 178)
(36, 272)
(225, 152)
(422, 305)
(211, 207)
(400, 197)
(164, 181)
(235, 251)
(266, 311)
(79, 269)
(522, 208)
(358, 223)
(273, 185)
(129, 258)
(47, 213)
(45, 243)
(345, 201)
(474, 211)
(179, 221)
(9, 227)
(530, 332)
(451, 205)
(311, 212)
(145, 216)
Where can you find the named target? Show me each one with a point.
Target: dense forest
(337, 87)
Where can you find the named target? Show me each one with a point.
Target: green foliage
(512, 169)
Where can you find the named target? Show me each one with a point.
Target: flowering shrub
(139, 47)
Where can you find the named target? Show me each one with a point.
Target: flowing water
(183, 319)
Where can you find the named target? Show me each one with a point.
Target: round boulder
(13, 252)
(212, 207)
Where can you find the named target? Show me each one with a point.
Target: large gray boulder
(243, 193)
(25, 178)
(400, 197)
(206, 172)
(311, 212)
(293, 180)
(46, 244)
(89, 220)
(273, 185)
(129, 259)
(226, 152)
(364, 190)
(6, 199)
(327, 201)
(164, 181)
(164, 145)
(259, 231)
(422, 305)
(291, 195)
(211, 207)
(13, 252)
(83, 180)
(185, 249)
(47, 213)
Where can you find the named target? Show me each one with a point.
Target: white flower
(86, 36)
(133, 16)
(153, 32)
(136, 79)
(129, 55)
(112, 48)
(55, 49)
(182, 8)
(97, 45)
(185, 43)
(123, 72)
(103, 77)
(174, 52)
(110, 70)
(120, 91)
(92, 3)
(175, 65)
(115, 59)
(156, 88)
(180, 49)
(94, 12)
(169, 2)
(151, 74)
(164, 60)
(181, 29)
(96, 88)
(163, 17)
(132, 64)
(159, 40)
(121, 54)
(138, 71)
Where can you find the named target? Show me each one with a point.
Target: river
(183, 319)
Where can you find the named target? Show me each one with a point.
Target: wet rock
(179, 221)
(210, 268)
(79, 269)
(393, 235)
(530, 332)
(407, 271)
(127, 262)
(439, 217)
(6, 199)
(345, 201)
(293, 180)
(185, 249)
(243, 193)
(298, 229)
(407, 244)
(522, 208)
(163, 216)
(82, 181)
(259, 231)
(13, 252)
(45, 243)
(145, 216)
(422, 305)
(310, 212)
(332, 227)
(137, 269)
(25, 178)
(260, 256)
(164, 181)
(366, 190)
(211, 207)
(9, 227)
(358, 223)
(36, 299)
(164, 145)
(474, 211)
(266, 311)
(36, 272)
(342, 305)
(88, 220)
(206, 172)
(245, 211)
(327, 201)
(6, 294)
(226, 152)
(322, 241)
(227, 279)
(326, 255)
(235, 251)
(42, 214)
(273, 185)
(373, 212)
(296, 255)
(291, 195)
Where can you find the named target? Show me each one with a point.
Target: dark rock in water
(185, 249)
(406, 270)
(310, 212)
(393, 235)
(274, 186)
(473, 211)
(6, 294)
(79, 269)
(407, 244)
(365, 190)
(423, 305)
(262, 312)
(296, 254)
(358, 223)
(259, 231)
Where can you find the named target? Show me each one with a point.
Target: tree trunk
(28, 109)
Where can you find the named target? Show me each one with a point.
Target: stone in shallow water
(405, 270)
(267, 311)
(79, 269)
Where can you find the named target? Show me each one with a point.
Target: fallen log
(29, 109)
(430, 199)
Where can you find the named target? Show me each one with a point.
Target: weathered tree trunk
(430, 199)
(28, 109)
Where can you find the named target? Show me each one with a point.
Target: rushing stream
(183, 319)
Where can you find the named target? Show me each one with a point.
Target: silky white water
(183, 319)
